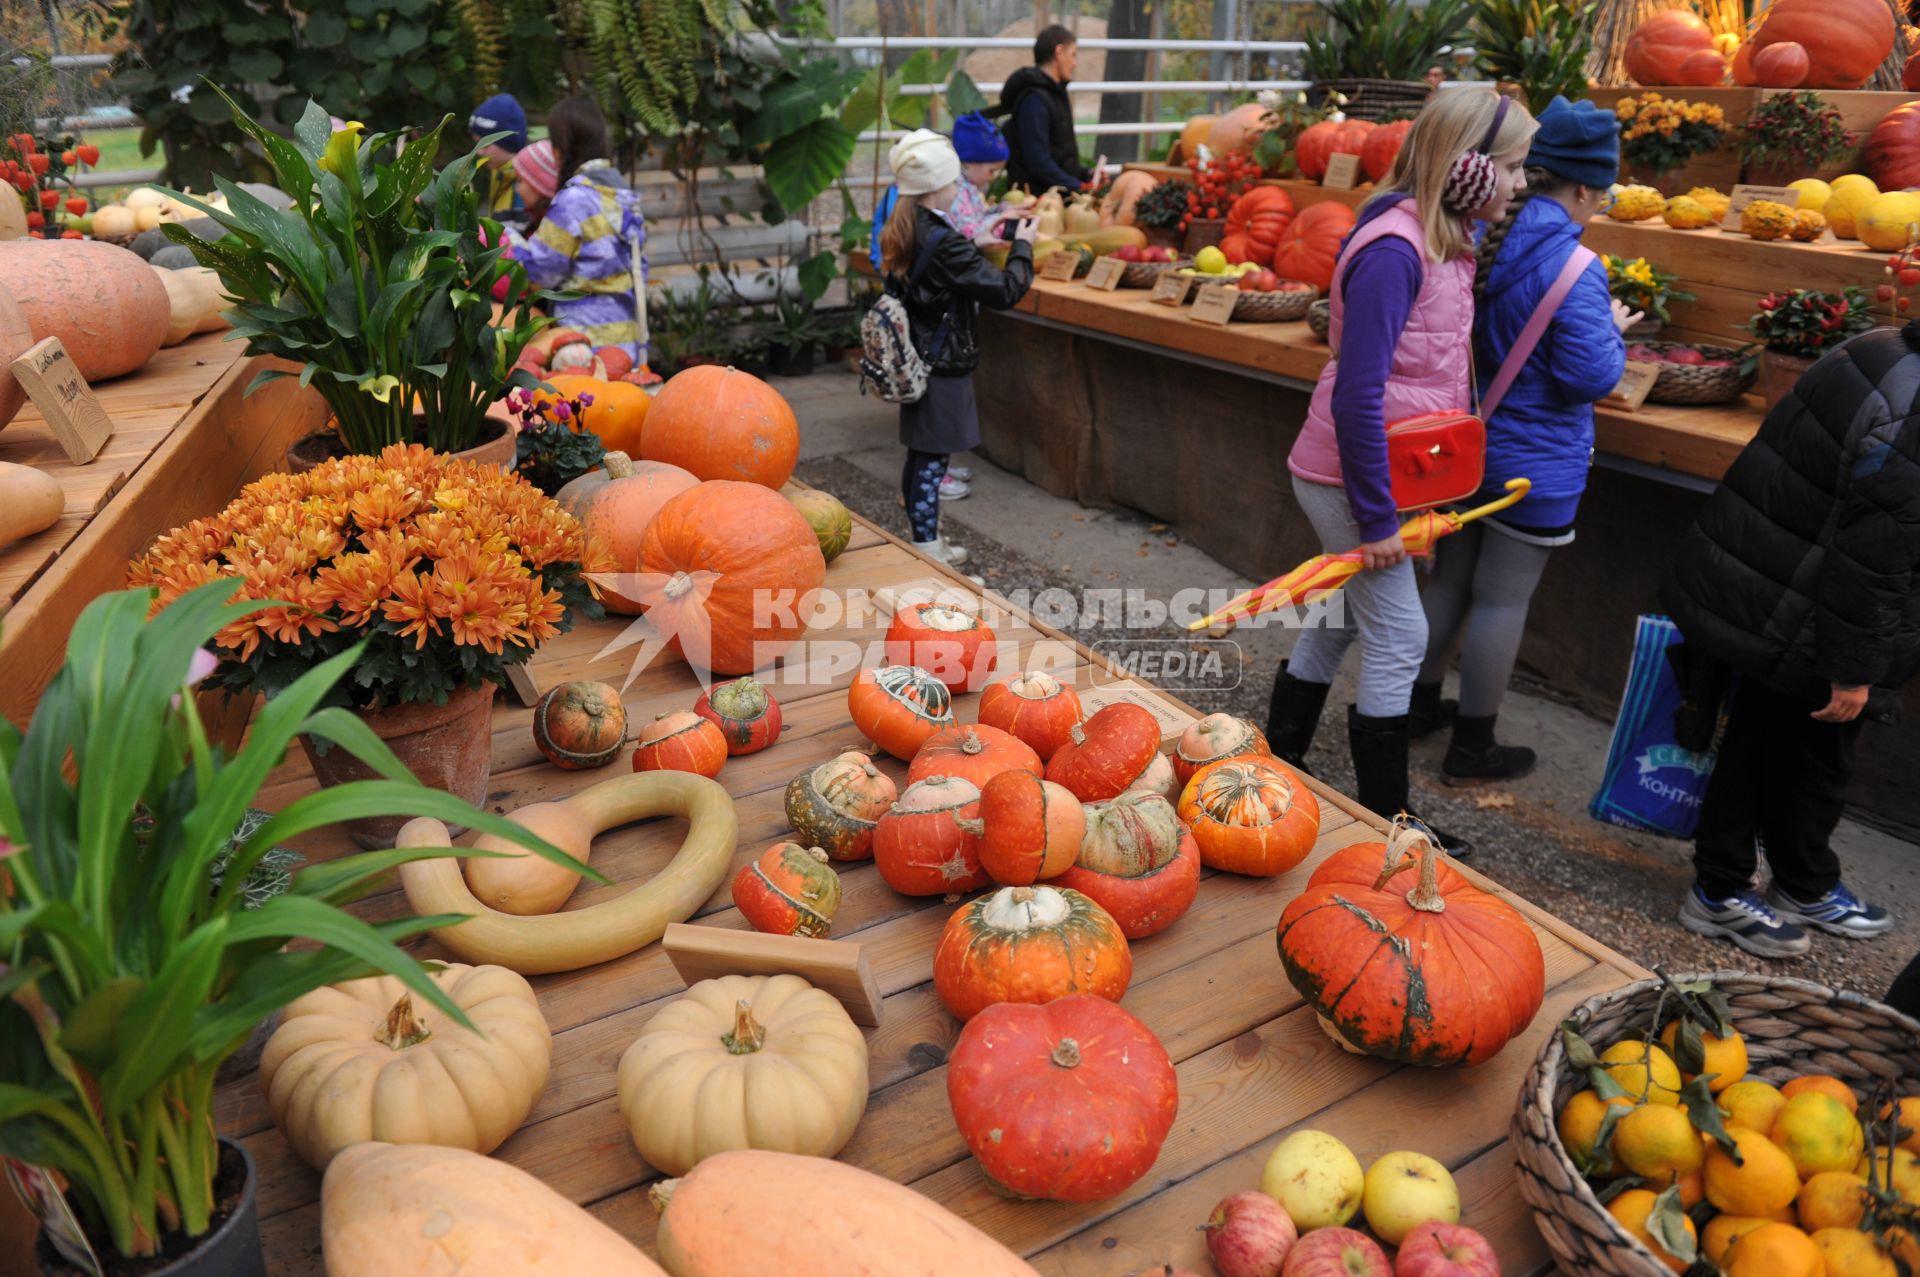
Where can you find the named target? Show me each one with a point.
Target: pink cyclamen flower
(561, 411)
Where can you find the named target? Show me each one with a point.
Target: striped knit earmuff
(1474, 177)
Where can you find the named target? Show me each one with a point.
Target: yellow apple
(1316, 1177)
(1404, 1190)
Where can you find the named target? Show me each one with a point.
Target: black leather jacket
(943, 301)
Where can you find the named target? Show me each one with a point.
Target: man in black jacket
(1042, 150)
(1803, 575)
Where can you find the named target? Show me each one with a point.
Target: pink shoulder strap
(1536, 328)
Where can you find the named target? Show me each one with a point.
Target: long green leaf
(804, 163)
(153, 1034)
(297, 917)
(339, 882)
(818, 92)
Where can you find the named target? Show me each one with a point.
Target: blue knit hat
(1579, 142)
(500, 113)
(976, 141)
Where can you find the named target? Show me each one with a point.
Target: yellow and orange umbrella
(1325, 573)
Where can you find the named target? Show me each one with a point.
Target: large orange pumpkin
(615, 505)
(1192, 136)
(898, 706)
(1664, 43)
(1117, 208)
(1893, 149)
(1382, 148)
(721, 423)
(950, 643)
(105, 305)
(1107, 754)
(1238, 130)
(1138, 862)
(1319, 143)
(1251, 815)
(733, 573)
(925, 844)
(976, 752)
(1029, 828)
(1311, 244)
(1029, 944)
(1440, 974)
(617, 415)
(1035, 706)
(1255, 223)
(1846, 40)
(1781, 66)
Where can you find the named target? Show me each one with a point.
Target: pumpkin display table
(1250, 1058)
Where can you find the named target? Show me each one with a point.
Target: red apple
(1295, 286)
(1686, 355)
(1249, 282)
(1249, 1235)
(1128, 252)
(1336, 1252)
(1438, 1249)
(1164, 1270)
(1646, 355)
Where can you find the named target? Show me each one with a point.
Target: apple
(1404, 1189)
(1316, 1177)
(1250, 283)
(1646, 355)
(1249, 1235)
(1270, 282)
(1336, 1252)
(1127, 253)
(1164, 1270)
(1434, 1249)
(1686, 355)
(1295, 286)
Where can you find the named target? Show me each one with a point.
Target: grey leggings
(1482, 582)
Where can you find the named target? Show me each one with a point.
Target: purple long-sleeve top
(1377, 296)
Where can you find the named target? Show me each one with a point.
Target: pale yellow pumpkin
(364, 1061)
(763, 1062)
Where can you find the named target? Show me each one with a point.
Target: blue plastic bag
(1651, 782)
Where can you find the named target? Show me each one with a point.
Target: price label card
(1106, 274)
(1171, 288)
(1745, 194)
(1215, 303)
(1060, 265)
(1343, 172)
(1172, 719)
(56, 387)
(1635, 385)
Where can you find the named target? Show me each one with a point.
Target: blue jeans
(1382, 610)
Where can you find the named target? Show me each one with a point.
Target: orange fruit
(1657, 1142)
(1753, 1104)
(1726, 1057)
(1904, 1178)
(1848, 1252)
(1774, 1250)
(1631, 1208)
(1723, 1231)
(1818, 1133)
(1762, 1182)
(1579, 1123)
(1693, 1187)
(1826, 1084)
(1644, 1070)
(1909, 1119)
(1832, 1199)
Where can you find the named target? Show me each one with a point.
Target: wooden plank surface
(1251, 1059)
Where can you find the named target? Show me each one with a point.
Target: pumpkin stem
(976, 828)
(677, 586)
(661, 1194)
(1425, 895)
(971, 743)
(817, 853)
(618, 465)
(1079, 737)
(1066, 1054)
(402, 1028)
(748, 1036)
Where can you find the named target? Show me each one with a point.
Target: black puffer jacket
(1803, 570)
(957, 281)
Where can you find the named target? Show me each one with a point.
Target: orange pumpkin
(898, 706)
(1029, 944)
(1893, 149)
(618, 415)
(1213, 738)
(1311, 244)
(746, 714)
(1029, 828)
(924, 846)
(721, 423)
(105, 305)
(680, 741)
(733, 570)
(1664, 44)
(974, 752)
(1382, 148)
(615, 505)
(1107, 754)
(580, 725)
(1846, 40)
(1742, 67)
(1319, 143)
(1781, 66)
(950, 643)
(1117, 208)
(1238, 130)
(1440, 974)
(1138, 862)
(1251, 815)
(1035, 706)
(1255, 223)
(789, 890)
(1193, 135)
(834, 806)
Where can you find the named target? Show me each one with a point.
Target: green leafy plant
(1640, 285)
(377, 280)
(1385, 39)
(130, 971)
(795, 325)
(1287, 116)
(1795, 130)
(1163, 207)
(551, 451)
(682, 323)
(1541, 45)
(1808, 323)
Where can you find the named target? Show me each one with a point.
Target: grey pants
(1483, 582)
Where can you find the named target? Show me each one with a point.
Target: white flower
(1269, 99)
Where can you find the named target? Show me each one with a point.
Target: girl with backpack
(941, 279)
(1402, 318)
(1485, 574)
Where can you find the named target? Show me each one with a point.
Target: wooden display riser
(1252, 1060)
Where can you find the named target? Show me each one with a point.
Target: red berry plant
(1219, 180)
(41, 171)
(1903, 275)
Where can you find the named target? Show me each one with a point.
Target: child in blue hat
(501, 113)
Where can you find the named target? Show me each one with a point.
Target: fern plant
(1384, 39)
(1539, 44)
(644, 55)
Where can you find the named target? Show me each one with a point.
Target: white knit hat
(923, 161)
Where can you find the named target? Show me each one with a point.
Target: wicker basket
(1272, 308)
(1375, 100)
(1320, 318)
(1791, 1027)
(1687, 384)
(1147, 274)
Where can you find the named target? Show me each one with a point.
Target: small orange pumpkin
(1139, 862)
(615, 506)
(745, 712)
(1250, 815)
(721, 423)
(789, 890)
(834, 806)
(1110, 753)
(681, 741)
(975, 752)
(618, 414)
(1213, 738)
(580, 725)
(1029, 828)
(898, 706)
(1036, 707)
(1029, 944)
(923, 846)
(950, 643)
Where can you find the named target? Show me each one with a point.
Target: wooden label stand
(839, 967)
(56, 387)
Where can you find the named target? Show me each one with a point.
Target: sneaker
(960, 472)
(1744, 919)
(952, 489)
(1838, 913)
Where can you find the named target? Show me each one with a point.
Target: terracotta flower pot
(498, 447)
(1778, 372)
(447, 746)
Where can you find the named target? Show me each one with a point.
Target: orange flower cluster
(436, 546)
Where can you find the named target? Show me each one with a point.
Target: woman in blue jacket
(1485, 574)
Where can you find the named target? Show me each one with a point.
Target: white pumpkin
(114, 221)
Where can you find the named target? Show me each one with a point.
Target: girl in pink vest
(1402, 330)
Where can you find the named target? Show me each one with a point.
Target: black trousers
(1904, 995)
(1781, 778)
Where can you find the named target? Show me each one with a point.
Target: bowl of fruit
(1693, 374)
(1267, 298)
(1146, 263)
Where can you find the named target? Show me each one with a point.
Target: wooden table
(1252, 1060)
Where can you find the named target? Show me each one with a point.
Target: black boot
(1293, 715)
(1475, 756)
(1429, 713)
(1379, 748)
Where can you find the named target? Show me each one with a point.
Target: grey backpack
(890, 364)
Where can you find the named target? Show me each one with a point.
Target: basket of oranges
(1753, 1125)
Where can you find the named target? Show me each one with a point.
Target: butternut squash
(194, 300)
(15, 336)
(603, 931)
(1108, 240)
(523, 884)
(30, 502)
(416, 1210)
(735, 1213)
(104, 304)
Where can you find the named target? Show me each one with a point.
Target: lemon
(1211, 261)
(1813, 193)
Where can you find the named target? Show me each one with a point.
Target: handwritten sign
(55, 385)
(1060, 265)
(1173, 720)
(1106, 274)
(1635, 385)
(1745, 194)
(1343, 172)
(1215, 303)
(1171, 289)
